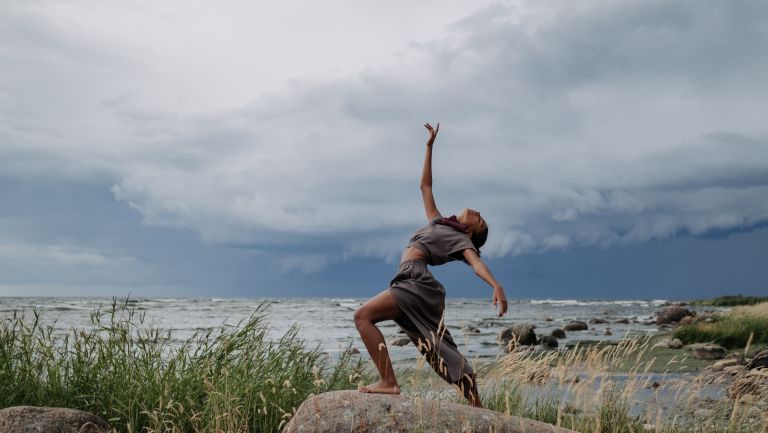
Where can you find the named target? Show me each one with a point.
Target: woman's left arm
(482, 271)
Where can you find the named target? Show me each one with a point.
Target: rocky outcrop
(548, 342)
(401, 341)
(576, 326)
(353, 411)
(521, 334)
(708, 351)
(759, 361)
(31, 419)
(471, 330)
(558, 333)
(669, 315)
(667, 343)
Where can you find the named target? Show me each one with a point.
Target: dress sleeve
(455, 245)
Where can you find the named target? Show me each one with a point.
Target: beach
(233, 364)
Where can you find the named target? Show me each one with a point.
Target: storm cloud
(567, 124)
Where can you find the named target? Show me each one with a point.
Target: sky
(617, 149)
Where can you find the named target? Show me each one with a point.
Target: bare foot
(381, 388)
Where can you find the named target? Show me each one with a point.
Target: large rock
(521, 334)
(669, 315)
(353, 411)
(548, 342)
(759, 361)
(558, 333)
(576, 325)
(674, 343)
(402, 341)
(30, 419)
(708, 351)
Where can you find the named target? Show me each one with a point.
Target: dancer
(415, 300)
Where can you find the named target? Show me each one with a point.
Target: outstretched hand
(500, 299)
(432, 133)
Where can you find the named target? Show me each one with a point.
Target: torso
(436, 244)
(413, 253)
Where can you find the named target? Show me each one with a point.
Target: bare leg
(381, 307)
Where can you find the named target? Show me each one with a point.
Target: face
(473, 220)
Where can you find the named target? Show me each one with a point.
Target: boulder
(708, 351)
(548, 342)
(31, 419)
(558, 333)
(597, 321)
(723, 363)
(607, 332)
(687, 320)
(576, 326)
(353, 411)
(669, 315)
(624, 321)
(402, 341)
(521, 334)
(471, 330)
(759, 361)
(674, 343)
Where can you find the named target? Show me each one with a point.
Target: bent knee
(360, 317)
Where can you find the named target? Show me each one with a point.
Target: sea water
(327, 322)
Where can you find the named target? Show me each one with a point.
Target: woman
(416, 301)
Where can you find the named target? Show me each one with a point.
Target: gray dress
(421, 299)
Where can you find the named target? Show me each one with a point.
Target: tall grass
(134, 375)
(731, 301)
(736, 329)
(580, 389)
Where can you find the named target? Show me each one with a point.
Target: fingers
(502, 303)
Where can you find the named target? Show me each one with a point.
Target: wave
(600, 302)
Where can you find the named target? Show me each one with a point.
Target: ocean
(327, 322)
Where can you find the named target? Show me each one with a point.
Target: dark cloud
(567, 124)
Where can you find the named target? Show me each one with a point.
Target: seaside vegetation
(580, 389)
(141, 380)
(237, 379)
(730, 301)
(738, 328)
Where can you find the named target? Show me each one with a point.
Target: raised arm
(426, 176)
(482, 271)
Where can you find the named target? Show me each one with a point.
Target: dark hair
(478, 239)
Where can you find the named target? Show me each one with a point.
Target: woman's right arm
(426, 176)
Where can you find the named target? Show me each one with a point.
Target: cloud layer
(566, 123)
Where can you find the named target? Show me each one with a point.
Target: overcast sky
(190, 148)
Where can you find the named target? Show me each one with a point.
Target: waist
(413, 253)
